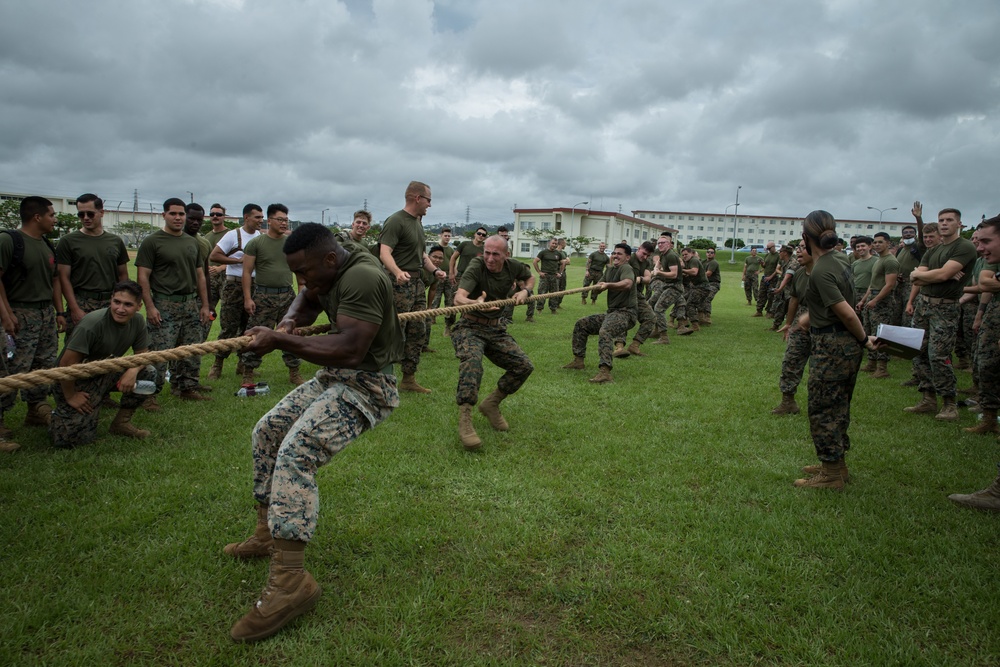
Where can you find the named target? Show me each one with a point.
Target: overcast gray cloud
(840, 105)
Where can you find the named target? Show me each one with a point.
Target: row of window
(760, 221)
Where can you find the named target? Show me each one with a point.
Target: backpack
(16, 271)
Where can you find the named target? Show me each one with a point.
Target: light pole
(881, 211)
(192, 196)
(322, 216)
(732, 247)
(572, 211)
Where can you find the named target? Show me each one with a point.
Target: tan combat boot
(664, 339)
(706, 319)
(39, 414)
(881, 370)
(672, 323)
(576, 364)
(912, 382)
(295, 377)
(8, 445)
(490, 408)
(466, 432)
(248, 375)
(870, 366)
(603, 376)
(926, 405)
(987, 499)
(193, 395)
(828, 477)
(634, 350)
(257, 545)
(290, 592)
(620, 351)
(150, 405)
(684, 328)
(694, 326)
(216, 371)
(122, 425)
(987, 425)
(240, 368)
(949, 411)
(409, 383)
(816, 469)
(788, 406)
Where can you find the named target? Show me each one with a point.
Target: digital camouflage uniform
(233, 318)
(593, 275)
(403, 234)
(884, 311)
(765, 292)
(697, 289)
(779, 305)
(644, 312)
(988, 357)
(36, 346)
(179, 325)
(409, 298)
(270, 309)
(752, 265)
(69, 428)
(549, 282)
(714, 285)
(669, 292)
(799, 341)
(612, 325)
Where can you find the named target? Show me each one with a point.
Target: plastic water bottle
(11, 347)
(258, 389)
(144, 388)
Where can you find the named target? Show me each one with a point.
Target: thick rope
(91, 369)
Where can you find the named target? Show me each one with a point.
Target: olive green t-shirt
(960, 250)
(404, 234)
(98, 336)
(550, 260)
(478, 279)
(861, 270)
(362, 290)
(343, 238)
(213, 240)
(884, 266)
(270, 266)
(797, 289)
(829, 284)
(771, 260)
(204, 250)
(38, 268)
(752, 265)
(93, 261)
(699, 278)
(713, 266)
(639, 267)
(172, 261)
(907, 261)
(977, 268)
(667, 260)
(621, 299)
(598, 260)
(467, 251)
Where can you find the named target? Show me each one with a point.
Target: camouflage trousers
(546, 284)
(833, 371)
(69, 428)
(794, 362)
(779, 307)
(410, 298)
(507, 314)
(988, 357)
(881, 313)
(696, 297)
(473, 341)
(179, 325)
(671, 295)
(215, 285)
(765, 293)
(933, 364)
(608, 327)
(647, 320)
(750, 287)
(713, 290)
(311, 424)
(562, 282)
(87, 306)
(656, 288)
(234, 318)
(445, 292)
(902, 295)
(37, 346)
(270, 309)
(591, 278)
(965, 341)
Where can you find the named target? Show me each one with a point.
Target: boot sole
(306, 606)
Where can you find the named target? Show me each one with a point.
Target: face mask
(908, 241)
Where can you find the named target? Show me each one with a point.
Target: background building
(533, 227)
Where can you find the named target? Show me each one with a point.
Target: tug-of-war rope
(91, 369)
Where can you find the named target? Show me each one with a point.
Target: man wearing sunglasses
(216, 270)
(467, 251)
(90, 262)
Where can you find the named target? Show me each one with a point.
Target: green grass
(649, 522)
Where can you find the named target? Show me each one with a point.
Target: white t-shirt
(230, 242)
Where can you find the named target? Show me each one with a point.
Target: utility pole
(467, 208)
(365, 207)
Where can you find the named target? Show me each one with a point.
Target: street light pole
(322, 216)
(881, 211)
(732, 246)
(192, 196)
(572, 211)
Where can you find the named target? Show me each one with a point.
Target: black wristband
(863, 341)
(61, 314)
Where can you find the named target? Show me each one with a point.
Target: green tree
(701, 244)
(536, 235)
(579, 243)
(133, 232)
(65, 223)
(739, 243)
(10, 214)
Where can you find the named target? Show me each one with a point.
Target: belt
(92, 295)
(176, 298)
(492, 322)
(271, 290)
(234, 279)
(935, 301)
(833, 328)
(31, 304)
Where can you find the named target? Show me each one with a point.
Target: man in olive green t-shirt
(939, 279)
(878, 305)
(751, 265)
(403, 254)
(765, 293)
(173, 284)
(353, 392)
(216, 276)
(548, 263)
(269, 294)
(445, 292)
(29, 307)
(862, 265)
(596, 262)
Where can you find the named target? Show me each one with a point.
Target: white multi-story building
(755, 229)
(568, 223)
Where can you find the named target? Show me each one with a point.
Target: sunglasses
(480, 234)
(86, 214)
(216, 215)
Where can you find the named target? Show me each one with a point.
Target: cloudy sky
(651, 104)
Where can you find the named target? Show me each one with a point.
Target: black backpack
(16, 271)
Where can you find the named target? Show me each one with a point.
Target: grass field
(649, 522)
